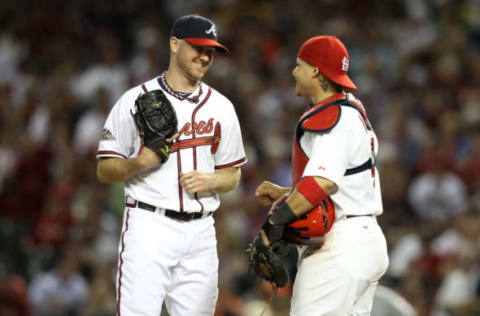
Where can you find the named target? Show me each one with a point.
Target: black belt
(181, 216)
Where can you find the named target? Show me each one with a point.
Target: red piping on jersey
(141, 148)
(231, 164)
(194, 136)
(179, 165)
(179, 168)
(109, 152)
(360, 108)
(120, 274)
(217, 134)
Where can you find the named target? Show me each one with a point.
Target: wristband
(283, 214)
(310, 189)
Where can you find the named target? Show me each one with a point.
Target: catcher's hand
(273, 231)
(156, 122)
(268, 192)
(265, 260)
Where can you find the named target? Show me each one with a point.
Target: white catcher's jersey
(208, 123)
(348, 145)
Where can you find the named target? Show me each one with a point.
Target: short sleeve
(119, 133)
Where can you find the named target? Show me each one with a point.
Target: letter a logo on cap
(213, 30)
(345, 63)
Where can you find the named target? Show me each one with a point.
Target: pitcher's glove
(266, 260)
(156, 121)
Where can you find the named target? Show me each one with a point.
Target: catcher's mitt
(266, 261)
(156, 121)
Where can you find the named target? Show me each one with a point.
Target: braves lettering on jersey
(210, 138)
(163, 259)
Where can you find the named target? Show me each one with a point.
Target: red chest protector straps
(322, 118)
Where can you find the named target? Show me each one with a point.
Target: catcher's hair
(335, 86)
(338, 88)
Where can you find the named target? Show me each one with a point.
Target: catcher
(333, 164)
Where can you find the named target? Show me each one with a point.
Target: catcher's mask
(310, 228)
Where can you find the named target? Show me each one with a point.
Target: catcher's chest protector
(299, 161)
(321, 118)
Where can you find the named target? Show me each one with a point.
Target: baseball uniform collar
(180, 95)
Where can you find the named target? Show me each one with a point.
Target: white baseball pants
(341, 277)
(165, 259)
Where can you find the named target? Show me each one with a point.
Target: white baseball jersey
(162, 259)
(202, 125)
(348, 145)
(341, 276)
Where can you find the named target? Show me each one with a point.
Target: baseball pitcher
(176, 143)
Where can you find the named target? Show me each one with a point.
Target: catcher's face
(194, 60)
(304, 75)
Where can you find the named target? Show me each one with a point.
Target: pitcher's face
(194, 60)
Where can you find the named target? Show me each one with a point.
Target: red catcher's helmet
(310, 228)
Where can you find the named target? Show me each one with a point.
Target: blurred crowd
(64, 63)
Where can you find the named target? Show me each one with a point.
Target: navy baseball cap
(197, 30)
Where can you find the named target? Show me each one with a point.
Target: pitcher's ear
(174, 44)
